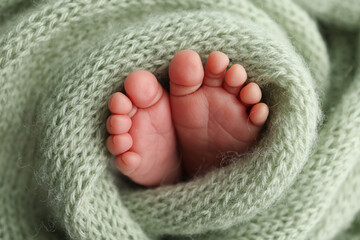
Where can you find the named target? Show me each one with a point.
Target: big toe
(142, 88)
(186, 73)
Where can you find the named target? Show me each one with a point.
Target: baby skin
(157, 136)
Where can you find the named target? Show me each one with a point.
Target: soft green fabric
(61, 60)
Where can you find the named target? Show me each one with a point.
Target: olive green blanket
(61, 60)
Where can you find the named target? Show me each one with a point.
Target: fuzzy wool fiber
(61, 60)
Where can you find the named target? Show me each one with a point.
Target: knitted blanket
(61, 60)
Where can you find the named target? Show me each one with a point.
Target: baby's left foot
(142, 134)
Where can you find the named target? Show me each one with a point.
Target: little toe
(258, 114)
(186, 73)
(118, 144)
(127, 162)
(235, 77)
(250, 94)
(118, 124)
(143, 88)
(215, 68)
(119, 103)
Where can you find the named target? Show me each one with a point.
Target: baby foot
(212, 110)
(142, 134)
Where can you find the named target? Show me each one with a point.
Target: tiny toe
(133, 111)
(119, 103)
(118, 144)
(143, 88)
(235, 77)
(259, 113)
(186, 73)
(128, 162)
(250, 94)
(118, 124)
(215, 68)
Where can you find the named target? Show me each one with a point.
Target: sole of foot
(213, 110)
(142, 136)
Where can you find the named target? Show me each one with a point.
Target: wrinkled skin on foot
(209, 109)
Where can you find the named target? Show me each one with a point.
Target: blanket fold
(61, 60)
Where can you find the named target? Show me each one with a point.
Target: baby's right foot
(213, 111)
(142, 134)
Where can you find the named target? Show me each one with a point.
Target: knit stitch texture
(61, 60)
